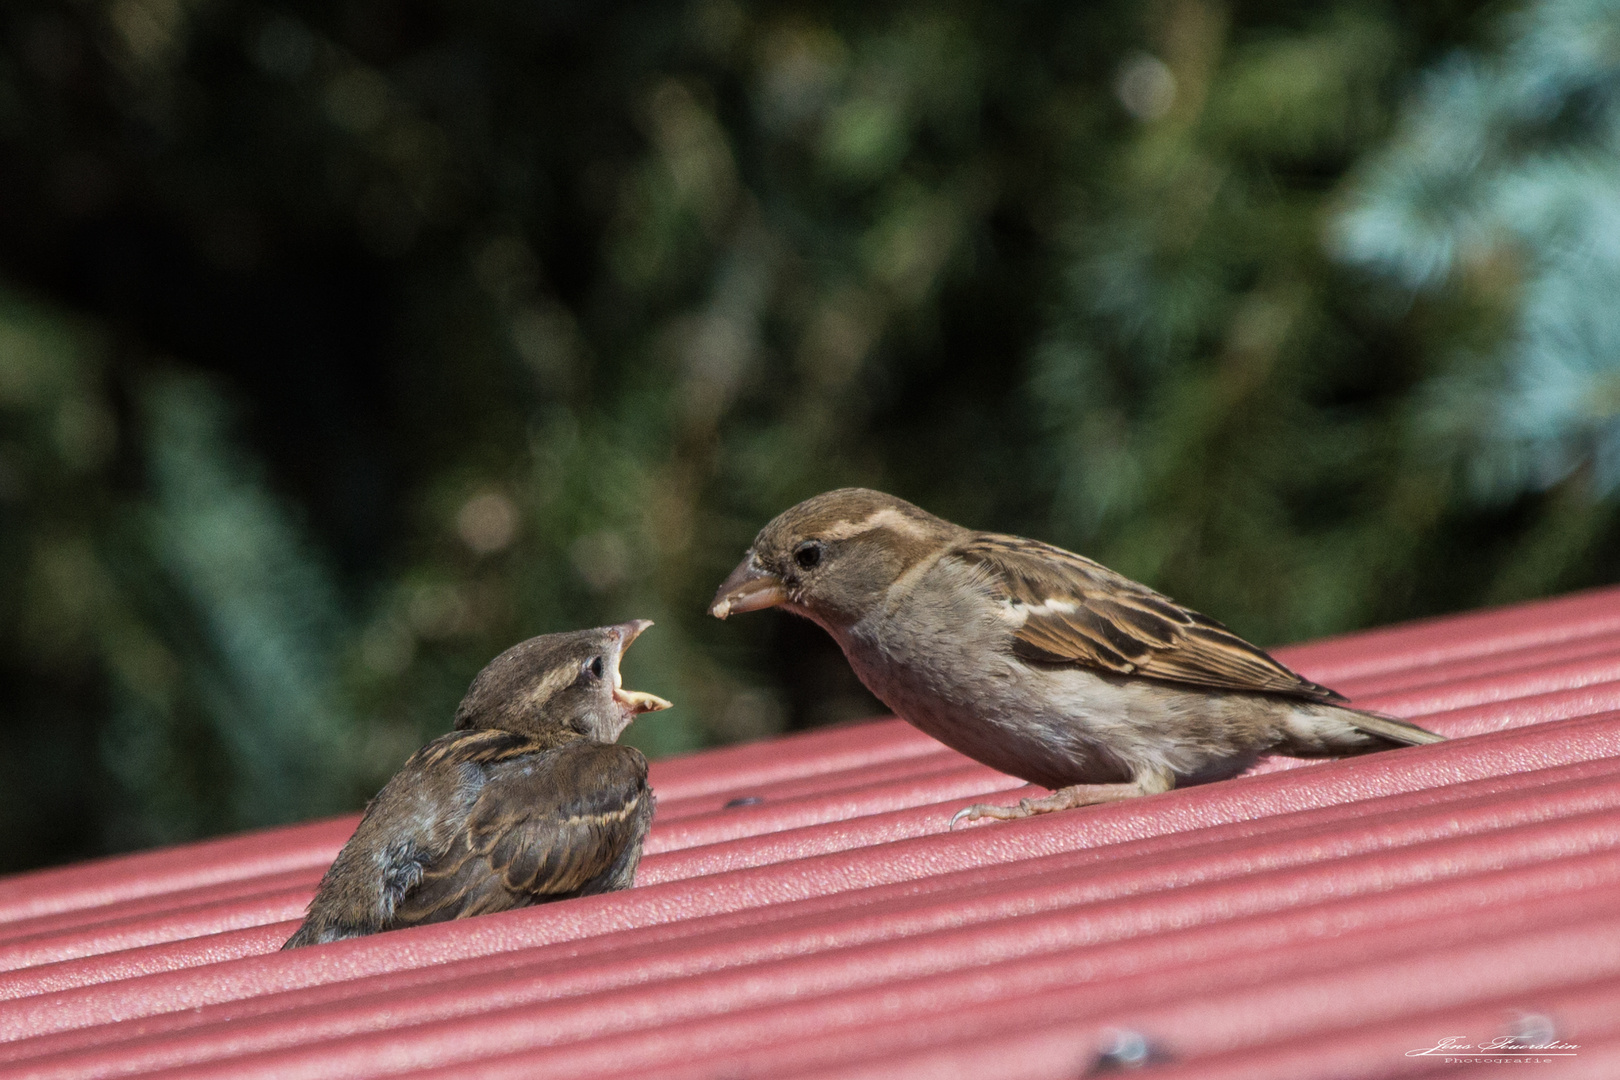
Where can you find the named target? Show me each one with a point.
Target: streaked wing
(545, 826)
(1075, 611)
(414, 823)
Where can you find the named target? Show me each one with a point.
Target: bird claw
(990, 810)
(1061, 799)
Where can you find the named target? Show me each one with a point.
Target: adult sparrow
(528, 800)
(1037, 661)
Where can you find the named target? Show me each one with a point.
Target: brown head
(832, 557)
(569, 681)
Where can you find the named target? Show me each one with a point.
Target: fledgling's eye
(593, 669)
(808, 554)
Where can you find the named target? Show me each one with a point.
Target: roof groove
(462, 992)
(820, 874)
(837, 925)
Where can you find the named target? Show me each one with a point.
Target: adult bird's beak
(636, 701)
(749, 588)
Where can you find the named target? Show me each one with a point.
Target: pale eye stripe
(887, 518)
(552, 682)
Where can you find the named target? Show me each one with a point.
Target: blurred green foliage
(345, 344)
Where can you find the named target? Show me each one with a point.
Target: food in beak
(749, 588)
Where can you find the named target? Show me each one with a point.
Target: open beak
(749, 588)
(633, 700)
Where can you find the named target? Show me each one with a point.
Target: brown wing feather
(545, 826)
(1081, 612)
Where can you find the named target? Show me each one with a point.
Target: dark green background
(344, 344)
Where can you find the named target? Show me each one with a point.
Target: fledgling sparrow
(529, 800)
(1036, 661)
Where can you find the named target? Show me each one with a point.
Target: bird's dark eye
(808, 554)
(593, 668)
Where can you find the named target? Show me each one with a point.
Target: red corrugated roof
(1299, 922)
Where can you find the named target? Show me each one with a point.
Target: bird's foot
(1062, 799)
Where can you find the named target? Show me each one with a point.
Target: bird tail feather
(1394, 729)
